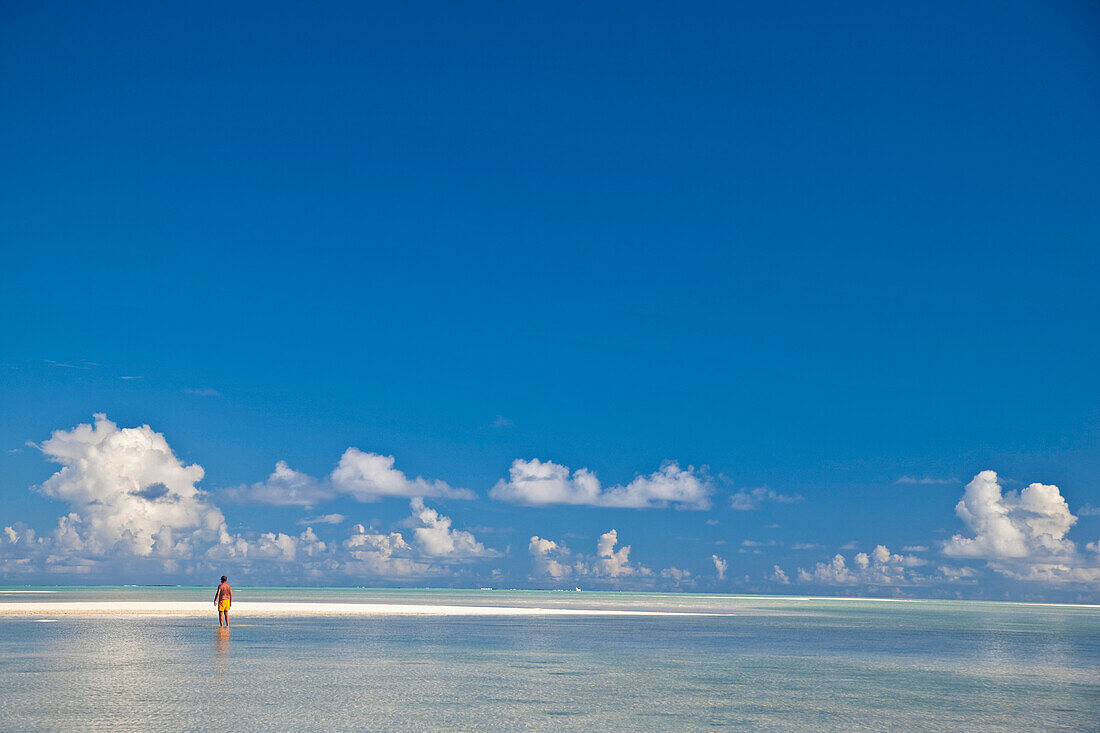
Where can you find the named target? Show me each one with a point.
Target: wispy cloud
(203, 392)
(64, 365)
(747, 500)
(500, 422)
(926, 480)
(322, 519)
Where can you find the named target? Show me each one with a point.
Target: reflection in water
(221, 643)
(774, 664)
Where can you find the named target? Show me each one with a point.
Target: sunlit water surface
(773, 664)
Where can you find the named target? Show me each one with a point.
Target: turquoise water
(773, 664)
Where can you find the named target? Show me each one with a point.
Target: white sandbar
(246, 608)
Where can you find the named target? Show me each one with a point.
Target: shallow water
(773, 664)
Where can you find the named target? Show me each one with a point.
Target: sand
(245, 608)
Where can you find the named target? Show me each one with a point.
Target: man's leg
(227, 619)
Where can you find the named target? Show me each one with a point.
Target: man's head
(224, 578)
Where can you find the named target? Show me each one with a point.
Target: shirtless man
(222, 600)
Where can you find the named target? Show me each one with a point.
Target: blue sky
(836, 259)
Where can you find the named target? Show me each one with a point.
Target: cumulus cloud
(676, 575)
(957, 574)
(435, 545)
(286, 548)
(880, 567)
(366, 477)
(720, 566)
(129, 494)
(284, 487)
(609, 561)
(132, 500)
(779, 576)
(555, 560)
(1022, 534)
(747, 500)
(371, 476)
(539, 483)
(549, 558)
(379, 554)
(436, 539)
(1031, 523)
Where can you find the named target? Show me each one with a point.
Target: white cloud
(132, 501)
(612, 562)
(436, 539)
(805, 546)
(1021, 534)
(1030, 524)
(323, 519)
(1052, 573)
(539, 483)
(129, 494)
(284, 487)
(547, 558)
(366, 477)
(779, 576)
(880, 567)
(434, 547)
(957, 574)
(379, 554)
(926, 480)
(286, 548)
(747, 500)
(720, 565)
(371, 476)
(553, 559)
(677, 575)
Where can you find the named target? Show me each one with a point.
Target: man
(222, 600)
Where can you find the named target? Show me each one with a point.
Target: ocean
(757, 663)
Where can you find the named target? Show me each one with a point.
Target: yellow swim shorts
(223, 604)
